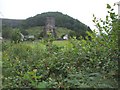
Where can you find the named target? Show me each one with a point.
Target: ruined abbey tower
(50, 26)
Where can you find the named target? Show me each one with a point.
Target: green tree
(16, 37)
(6, 32)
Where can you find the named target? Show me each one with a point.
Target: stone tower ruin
(50, 26)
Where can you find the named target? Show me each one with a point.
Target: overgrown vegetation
(80, 63)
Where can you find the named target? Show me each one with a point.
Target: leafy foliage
(77, 63)
(16, 37)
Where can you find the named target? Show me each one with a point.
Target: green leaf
(108, 6)
(42, 85)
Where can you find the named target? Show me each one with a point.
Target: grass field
(60, 43)
(63, 43)
(38, 29)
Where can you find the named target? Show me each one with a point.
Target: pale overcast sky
(78, 9)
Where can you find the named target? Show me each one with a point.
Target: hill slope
(61, 20)
(39, 29)
(11, 22)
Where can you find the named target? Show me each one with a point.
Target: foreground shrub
(83, 63)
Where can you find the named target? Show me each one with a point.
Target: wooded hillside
(61, 20)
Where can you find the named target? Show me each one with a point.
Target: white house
(1, 38)
(29, 37)
(65, 37)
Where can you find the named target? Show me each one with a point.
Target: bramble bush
(88, 62)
